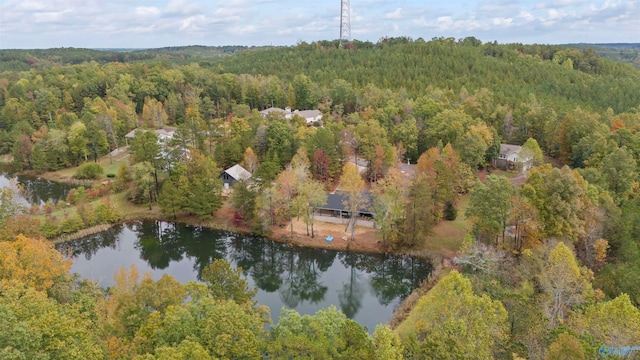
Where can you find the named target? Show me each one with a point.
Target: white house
(270, 110)
(164, 135)
(309, 116)
(512, 156)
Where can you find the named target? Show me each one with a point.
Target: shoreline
(365, 242)
(92, 230)
(366, 239)
(298, 240)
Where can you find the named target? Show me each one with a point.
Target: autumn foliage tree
(444, 172)
(559, 196)
(615, 323)
(390, 197)
(32, 262)
(454, 322)
(565, 283)
(250, 161)
(353, 184)
(490, 207)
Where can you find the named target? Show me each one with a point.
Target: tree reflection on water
(297, 276)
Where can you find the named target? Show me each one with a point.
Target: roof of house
(161, 132)
(508, 149)
(165, 132)
(238, 172)
(308, 114)
(337, 200)
(131, 134)
(270, 110)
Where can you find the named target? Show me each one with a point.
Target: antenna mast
(345, 21)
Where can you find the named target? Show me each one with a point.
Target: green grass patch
(507, 174)
(448, 235)
(109, 163)
(130, 210)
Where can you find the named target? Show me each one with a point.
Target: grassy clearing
(507, 174)
(131, 211)
(118, 201)
(448, 235)
(109, 163)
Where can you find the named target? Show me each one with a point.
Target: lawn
(448, 235)
(109, 163)
(507, 174)
(119, 201)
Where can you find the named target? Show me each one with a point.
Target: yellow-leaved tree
(451, 322)
(565, 283)
(615, 323)
(353, 184)
(32, 262)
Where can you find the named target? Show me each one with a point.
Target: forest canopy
(551, 249)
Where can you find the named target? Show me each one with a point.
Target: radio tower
(345, 21)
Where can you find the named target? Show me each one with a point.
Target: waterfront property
(366, 287)
(335, 210)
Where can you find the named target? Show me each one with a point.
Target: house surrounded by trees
(512, 157)
(164, 135)
(234, 174)
(336, 207)
(310, 116)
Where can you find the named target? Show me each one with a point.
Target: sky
(27, 24)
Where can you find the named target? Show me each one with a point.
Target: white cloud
(33, 5)
(447, 23)
(140, 29)
(183, 7)
(145, 23)
(284, 32)
(559, 4)
(554, 14)
(502, 22)
(242, 30)
(53, 16)
(396, 14)
(526, 16)
(147, 11)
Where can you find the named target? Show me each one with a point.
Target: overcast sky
(148, 24)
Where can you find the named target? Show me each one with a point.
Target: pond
(32, 190)
(366, 287)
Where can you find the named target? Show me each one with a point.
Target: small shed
(234, 174)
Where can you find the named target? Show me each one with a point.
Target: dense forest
(21, 60)
(624, 52)
(550, 269)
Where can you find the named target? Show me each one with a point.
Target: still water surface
(366, 287)
(32, 190)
